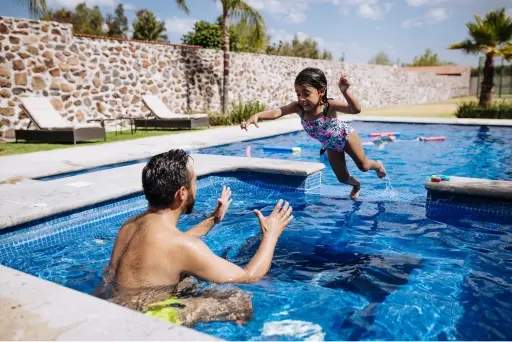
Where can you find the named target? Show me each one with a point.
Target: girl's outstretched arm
(271, 114)
(352, 106)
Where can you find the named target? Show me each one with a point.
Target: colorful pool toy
(381, 134)
(440, 178)
(282, 149)
(440, 138)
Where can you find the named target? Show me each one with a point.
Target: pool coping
(475, 187)
(21, 166)
(28, 201)
(36, 309)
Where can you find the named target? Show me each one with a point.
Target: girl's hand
(252, 120)
(344, 84)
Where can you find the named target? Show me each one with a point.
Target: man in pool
(151, 252)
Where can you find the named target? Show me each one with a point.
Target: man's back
(147, 253)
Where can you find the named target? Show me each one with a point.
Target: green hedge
(239, 112)
(471, 110)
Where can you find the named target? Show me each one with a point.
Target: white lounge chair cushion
(161, 111)
(45, 116)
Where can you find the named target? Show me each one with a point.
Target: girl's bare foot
(381, 171)
(354, 194)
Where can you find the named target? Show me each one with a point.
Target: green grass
(7, 149)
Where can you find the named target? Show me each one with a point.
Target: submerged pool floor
(390, 266)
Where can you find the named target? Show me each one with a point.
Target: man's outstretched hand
(274, 224)
(222, 204)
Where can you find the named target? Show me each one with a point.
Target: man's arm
(218, 215)
(202, 228)
(202, 263)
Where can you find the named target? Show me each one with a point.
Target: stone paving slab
(33, 309)
(475, 187)
(27, 201)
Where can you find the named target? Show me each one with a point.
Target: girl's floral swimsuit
(331, 133)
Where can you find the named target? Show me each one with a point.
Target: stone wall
(87, 78)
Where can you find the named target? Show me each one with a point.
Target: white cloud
(367, 9)
(129, 7)
(433, 16)
(436, 15)
(179, 25)
(73, 3)
(104, 27)
(409, 23)
(418, 3)
(290, 10)
(345, 11)
(509, 12)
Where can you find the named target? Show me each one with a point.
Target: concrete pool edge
(36, 309)
(25, 202)
(473, 187)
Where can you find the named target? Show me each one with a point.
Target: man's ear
(181, 194)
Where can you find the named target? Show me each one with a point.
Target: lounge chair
(164, 118)
(51, 127)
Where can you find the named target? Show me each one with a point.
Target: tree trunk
(225, 38)
(487, 82)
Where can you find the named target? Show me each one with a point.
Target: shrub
(239, 112)
(497, 110)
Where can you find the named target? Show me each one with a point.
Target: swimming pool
(378, 268)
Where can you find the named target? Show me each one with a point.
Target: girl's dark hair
(315, 78)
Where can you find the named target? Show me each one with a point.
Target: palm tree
(492, 36)
(36, 7)
(236, 10)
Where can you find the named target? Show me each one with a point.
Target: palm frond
(506, 51)
(36, 8)
(182, 4)
(467, 46)
(241, 10)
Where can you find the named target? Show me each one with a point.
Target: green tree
(147, 27)
(233, 10)
(380, 58)
(85, 20)
(429, 59)
(308, 48)
(118, 23)
(36, 8)
(492, 36)
(246, 39)
(209, 36)
(61, 16)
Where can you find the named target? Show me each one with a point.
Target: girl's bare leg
(339, 166)
(354, 149)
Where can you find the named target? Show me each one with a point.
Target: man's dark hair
(163, 175)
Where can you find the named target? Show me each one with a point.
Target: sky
(357, 29)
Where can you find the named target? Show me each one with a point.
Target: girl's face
(308, 97)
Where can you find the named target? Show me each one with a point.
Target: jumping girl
(319, 119)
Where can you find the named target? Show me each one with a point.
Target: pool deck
(40, 164)
(483, 188)
(34, 309)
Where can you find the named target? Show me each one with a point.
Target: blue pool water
(392, 266)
